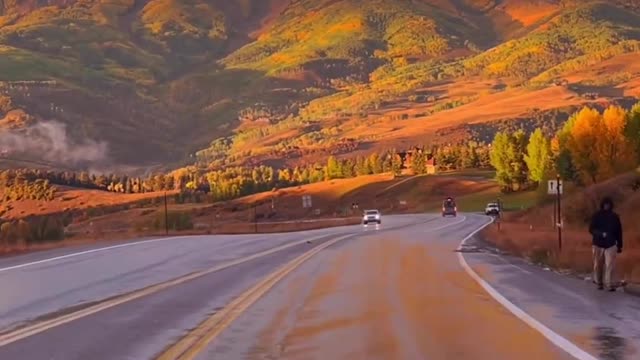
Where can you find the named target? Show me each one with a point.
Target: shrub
(31, 231)
(178, 221)
(42, 229)
(6, 234)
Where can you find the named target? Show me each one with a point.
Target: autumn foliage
(592, 146)
(599, 144)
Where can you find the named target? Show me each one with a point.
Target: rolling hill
(226, 82)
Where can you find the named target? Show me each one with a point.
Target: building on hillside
(431, 164)
(407, 161)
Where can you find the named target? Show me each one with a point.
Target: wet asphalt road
(393, 292)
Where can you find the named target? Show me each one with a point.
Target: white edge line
(551, 335)
(22, 333)
(464, 218)
(88, 252)
(62, 257)
(511, 264)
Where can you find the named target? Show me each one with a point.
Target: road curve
(396, 291)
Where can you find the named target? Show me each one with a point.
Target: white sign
(553, 187)
(306, 201)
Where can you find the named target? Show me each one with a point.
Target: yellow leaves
(598, 144)
(497, 68)
(349, 26)
(615, 120)
(303, 36)
(555, 145)
(283, 58)
(617, 152)
(171, 17)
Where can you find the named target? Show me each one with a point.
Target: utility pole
(166, 215)
(255, 217)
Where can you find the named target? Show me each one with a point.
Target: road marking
(30, 330)
(464, 218)
(551, 335)
(512, 264)
(196, 341)
(44, 261)
(67, 256)
(307, 221)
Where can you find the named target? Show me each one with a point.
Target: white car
(372, 216)
(492, 209)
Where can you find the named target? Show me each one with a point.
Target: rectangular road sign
(306, 201)
(552, 187)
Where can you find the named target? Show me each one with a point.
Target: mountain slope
(259, 81)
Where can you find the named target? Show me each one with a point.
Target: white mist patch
(49, 141)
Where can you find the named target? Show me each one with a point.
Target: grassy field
(70, 199)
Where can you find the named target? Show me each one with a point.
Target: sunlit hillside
(235, 82)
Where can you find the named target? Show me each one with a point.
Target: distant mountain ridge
(229, 82)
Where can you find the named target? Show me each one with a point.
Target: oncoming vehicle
(492, 209)
(449, 207)
(372, 216)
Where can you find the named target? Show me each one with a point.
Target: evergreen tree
(387, 162)
(396, 164)
(128, 188)
(375, 163)
(348, 169)
(362, 167)
(418, 163)
(84, 179)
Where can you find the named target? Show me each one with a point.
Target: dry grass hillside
(70, 199)
(531, 233)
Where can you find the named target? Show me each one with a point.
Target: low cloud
(48, 141)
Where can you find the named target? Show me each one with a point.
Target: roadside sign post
(559, 197)
(554, 187)
(166, 215)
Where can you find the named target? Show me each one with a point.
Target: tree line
(233, 182)
(592, 146)
(230, 183)
(33, 230)
(113, 183)
(21, 185)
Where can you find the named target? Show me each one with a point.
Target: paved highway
(398, 291)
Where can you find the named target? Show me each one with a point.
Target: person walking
(606, 230)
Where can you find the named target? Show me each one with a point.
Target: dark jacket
(606, 221)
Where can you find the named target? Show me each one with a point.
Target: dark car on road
(449, 207)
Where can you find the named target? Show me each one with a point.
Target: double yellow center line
(197, 340)
(14, 335)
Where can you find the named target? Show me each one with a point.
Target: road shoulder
(606, 325)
